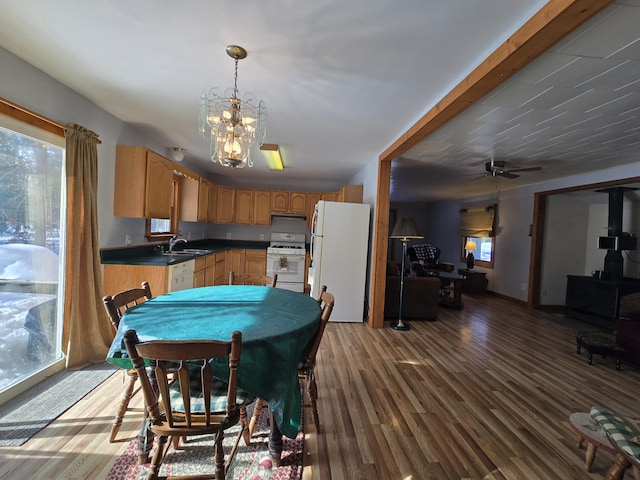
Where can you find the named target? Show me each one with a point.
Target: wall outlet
(262, 236)
(228, 235)
(127, 239)
(523, 287)
(188, 235)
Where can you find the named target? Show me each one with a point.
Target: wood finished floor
(482, 393)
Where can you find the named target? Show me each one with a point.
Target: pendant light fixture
(234, 125)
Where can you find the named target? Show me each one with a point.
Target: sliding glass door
(31, 250)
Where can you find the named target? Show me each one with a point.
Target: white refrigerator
(339, 248)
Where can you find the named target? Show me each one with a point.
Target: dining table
(277, 325)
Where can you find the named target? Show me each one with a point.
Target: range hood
(293, 216)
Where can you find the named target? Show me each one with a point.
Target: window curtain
(87, 332)
(477, 221)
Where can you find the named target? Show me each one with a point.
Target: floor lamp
(404, 229)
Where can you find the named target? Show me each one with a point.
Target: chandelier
(234, 124)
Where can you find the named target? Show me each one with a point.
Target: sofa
(420, 297)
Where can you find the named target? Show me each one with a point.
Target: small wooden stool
(588, 430)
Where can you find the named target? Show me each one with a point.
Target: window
(483, 254)
(32, 208)
(477, 224)
(163, 228)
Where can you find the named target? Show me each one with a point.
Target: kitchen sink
(188, 251)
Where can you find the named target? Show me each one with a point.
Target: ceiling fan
(498, 168)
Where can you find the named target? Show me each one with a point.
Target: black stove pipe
(613, 261)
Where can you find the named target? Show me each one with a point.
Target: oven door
(290, 270)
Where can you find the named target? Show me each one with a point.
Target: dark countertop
(149, 254)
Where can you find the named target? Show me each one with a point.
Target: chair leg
(246, 433)
(124, 404)
(158, 457)
(219, 457)
(257, 409)
(313, 395)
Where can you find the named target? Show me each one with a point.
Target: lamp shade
(405, 227)
(470, 245)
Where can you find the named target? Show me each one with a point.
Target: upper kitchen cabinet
(288, 202)
(142, 183)
(350, 194)
(330, 196)
(225, 204)
(212, 203)
(298, 202)
(189, 198)
(279, 201)
(312, 199)
(243, 212)
(262, 207)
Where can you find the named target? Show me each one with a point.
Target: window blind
(477, 221)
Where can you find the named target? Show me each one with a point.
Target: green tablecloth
(277, 326)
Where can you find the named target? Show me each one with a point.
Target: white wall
(564, 250)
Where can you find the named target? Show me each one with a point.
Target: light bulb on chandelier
(234, 125)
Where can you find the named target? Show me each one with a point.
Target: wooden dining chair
(115, 306)
(253, 279)
(306, 367)
(193, 402)
(323, 289)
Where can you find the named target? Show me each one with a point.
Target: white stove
(286, 258)
(287, 244)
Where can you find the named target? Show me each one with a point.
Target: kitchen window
(164, 228)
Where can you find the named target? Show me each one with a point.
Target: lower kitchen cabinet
(204, 273)
(162, 279)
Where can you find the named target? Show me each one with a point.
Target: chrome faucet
(173, 240)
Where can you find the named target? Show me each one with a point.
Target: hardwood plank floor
(483, 393)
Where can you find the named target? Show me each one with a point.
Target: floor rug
(27, 414)
(251, 462)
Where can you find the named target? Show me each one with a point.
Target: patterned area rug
(251, 462)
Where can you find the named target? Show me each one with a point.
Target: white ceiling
(342, 80)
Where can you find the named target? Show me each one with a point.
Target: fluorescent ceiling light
(271, 153)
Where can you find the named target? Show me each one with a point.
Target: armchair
(424, 261)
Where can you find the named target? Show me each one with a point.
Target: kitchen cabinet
(204, 273)
(241, 261)
(312, 200)
(142, 184)
(123, 277)
(255, 262)
(212, 202)
(225, 204)
(350, 194)
(189, 193)
(162, 278)
(203, 200)
(243, 207)
(297, 202)
(262, 207)
(220, 276)
(279, 201)
(330, 196)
